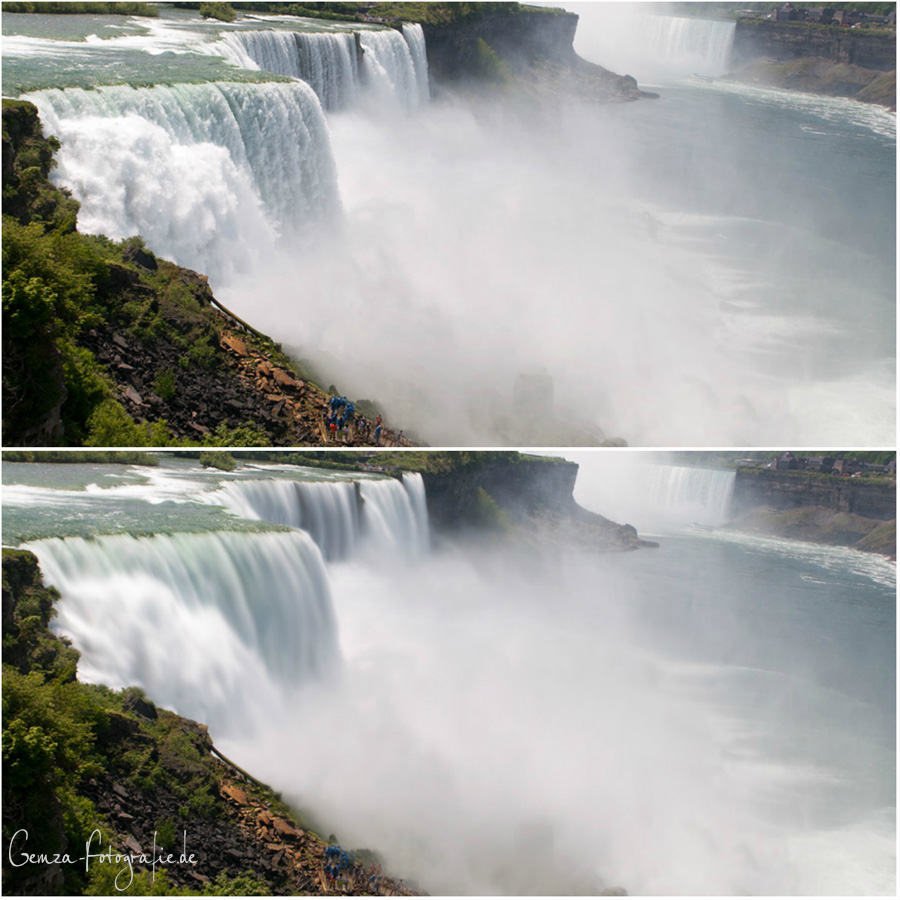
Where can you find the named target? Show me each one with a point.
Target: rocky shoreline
(822, 509)
(837, 62)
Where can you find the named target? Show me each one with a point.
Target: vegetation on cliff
(439, 462)
(425, 13)
(84, 766)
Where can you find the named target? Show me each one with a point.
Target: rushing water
(652, 495)
(716, 716)
(714, 267)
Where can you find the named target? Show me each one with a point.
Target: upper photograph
(449, 224)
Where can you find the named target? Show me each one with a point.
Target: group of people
(341, 870)
(342, 422)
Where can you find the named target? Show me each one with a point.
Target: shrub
(164, 386)
(221, 11)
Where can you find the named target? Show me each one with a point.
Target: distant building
(786, 463)
(787, 13)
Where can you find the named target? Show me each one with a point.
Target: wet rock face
(520, 39)
(531, 44)
(786, 41)
(785, 491)
(519, 487)
(537, 496)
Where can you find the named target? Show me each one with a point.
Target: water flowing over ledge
(339, 516)
(231, 165)
(196, 606)
(338, 66)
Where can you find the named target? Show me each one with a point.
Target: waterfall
(689, 44)
(326, 61)
(389, 67)
(327, 511)
(691, 494)
(653, 495)
(208, 174)
(389, 515)
(393, 64)
(415, 38)
(219, 611)
(394, 515)
(625, 38)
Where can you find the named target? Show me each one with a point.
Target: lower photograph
(401, 673)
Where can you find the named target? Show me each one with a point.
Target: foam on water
(385, 516)
(234, 166)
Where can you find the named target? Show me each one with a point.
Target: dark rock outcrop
(521, 39)
(527, 43)
(534, 494)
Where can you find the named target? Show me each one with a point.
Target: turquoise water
(41, 501)
(85, 51)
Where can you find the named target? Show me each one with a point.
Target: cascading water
(326, 61)
(690, 491)
(695, 719)
(329, 63)
(339, 516)
(415, 38)
(395, 516)
(208, 174)
(629, 39)
(389, 67)
(224, 610)
(653, 495)
(690, 44)
(394, 64)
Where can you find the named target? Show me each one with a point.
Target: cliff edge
(824, 509)
(859, 64)
(506, 492)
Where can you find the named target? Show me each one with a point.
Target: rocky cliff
(843, 512)
(521, 39)
(530, 44)
(838, 62)
(782, 41)
(792, 490)
(531, 494)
